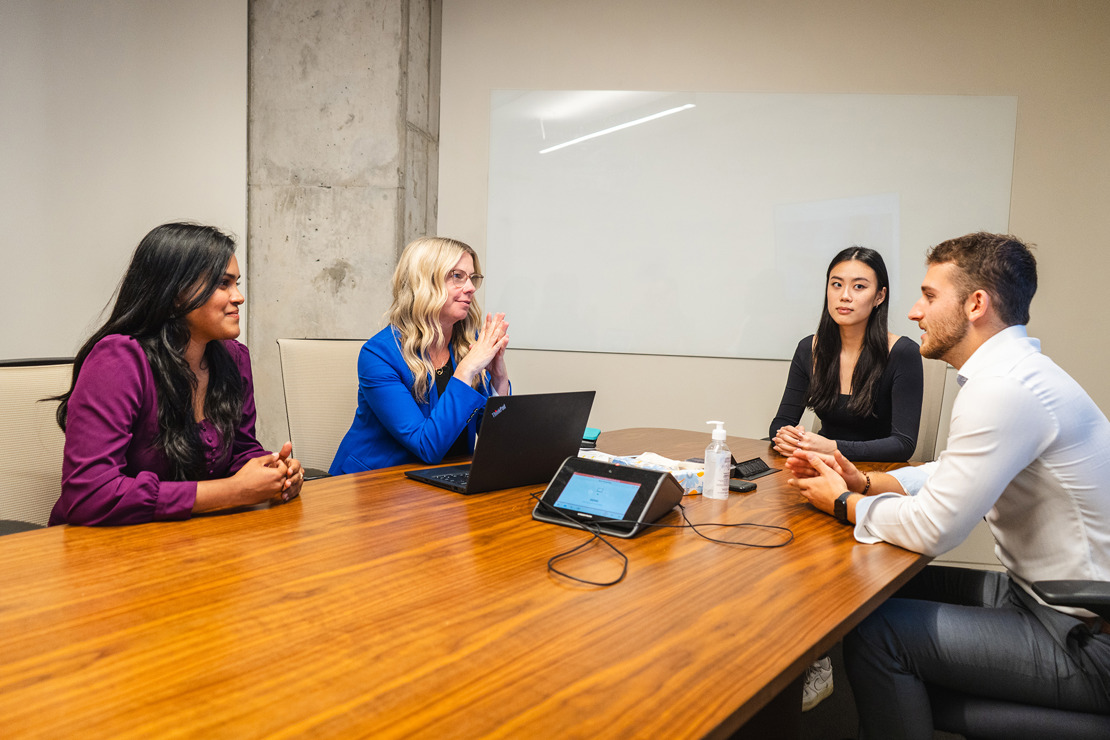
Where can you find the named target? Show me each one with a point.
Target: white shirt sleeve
(913, 477)
(998, 428)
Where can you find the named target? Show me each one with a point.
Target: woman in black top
(864, 383)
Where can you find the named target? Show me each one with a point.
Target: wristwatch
(840, 508)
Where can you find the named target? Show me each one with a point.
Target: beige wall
(1052, 56)
(115, 116)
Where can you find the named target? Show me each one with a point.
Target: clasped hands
(294, 473)
(488, 353)
(790, 439)
(278, 474)
(821, 478)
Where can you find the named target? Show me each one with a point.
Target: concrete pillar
(343, 150)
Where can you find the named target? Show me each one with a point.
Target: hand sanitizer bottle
(718, 464)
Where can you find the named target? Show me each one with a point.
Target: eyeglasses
(458, 279)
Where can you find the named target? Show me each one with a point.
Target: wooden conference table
(378, 607)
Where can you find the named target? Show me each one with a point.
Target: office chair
(31, 440)
(320, 380)
(936, 409)
(979, 718)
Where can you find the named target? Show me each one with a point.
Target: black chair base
(11, 526)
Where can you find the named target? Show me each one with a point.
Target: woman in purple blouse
(159, 418)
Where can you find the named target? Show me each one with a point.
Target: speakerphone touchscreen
(616, 499)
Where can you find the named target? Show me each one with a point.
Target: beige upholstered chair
(31, 439)
(934, 412)
(320, 377)
(951, 388)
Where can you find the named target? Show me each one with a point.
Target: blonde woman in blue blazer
(424, 379)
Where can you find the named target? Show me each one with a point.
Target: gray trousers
(974, 632)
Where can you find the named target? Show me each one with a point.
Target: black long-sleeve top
(890, 435)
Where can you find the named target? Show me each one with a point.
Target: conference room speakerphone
(614, 499)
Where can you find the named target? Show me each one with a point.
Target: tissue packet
(689, 475)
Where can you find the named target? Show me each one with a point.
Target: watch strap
(840, 508)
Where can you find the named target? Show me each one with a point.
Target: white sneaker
(818, 684)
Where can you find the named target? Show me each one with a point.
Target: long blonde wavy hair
(419, 294)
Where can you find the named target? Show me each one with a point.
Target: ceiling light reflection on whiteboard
(618, 127)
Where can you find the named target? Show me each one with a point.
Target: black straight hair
(174, 270)
(824, 384)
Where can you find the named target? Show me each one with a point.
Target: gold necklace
(443, 365)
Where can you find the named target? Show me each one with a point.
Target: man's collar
(989, 351)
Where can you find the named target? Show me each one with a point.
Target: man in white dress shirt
(1029, 451)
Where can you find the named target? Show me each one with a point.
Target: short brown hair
(1000, 264)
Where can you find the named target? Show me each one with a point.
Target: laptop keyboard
(458, 479)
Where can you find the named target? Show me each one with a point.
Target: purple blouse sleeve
(110, 470)
(245, 445)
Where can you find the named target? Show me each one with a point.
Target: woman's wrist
(213, 494)
(464, 373)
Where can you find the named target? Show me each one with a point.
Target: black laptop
(522, 441)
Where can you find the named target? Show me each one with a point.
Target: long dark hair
(824, 384)
(174, 270)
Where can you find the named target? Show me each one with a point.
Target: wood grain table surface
(374, 606)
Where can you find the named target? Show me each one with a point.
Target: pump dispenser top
(719, 432)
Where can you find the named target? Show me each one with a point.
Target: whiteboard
(707, 231)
